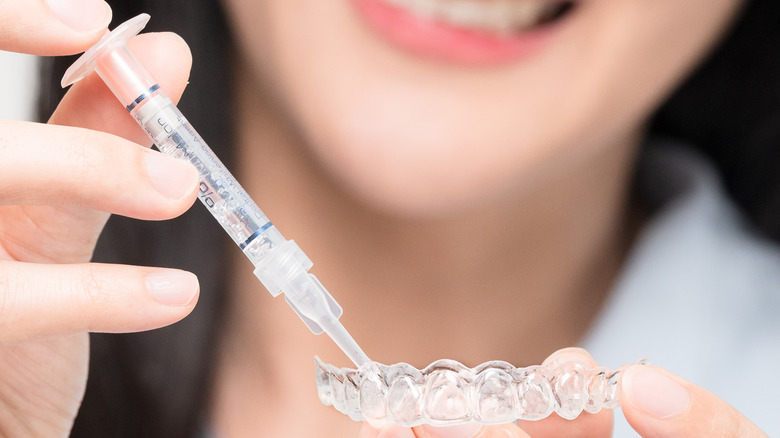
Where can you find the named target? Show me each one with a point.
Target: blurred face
(427, 107)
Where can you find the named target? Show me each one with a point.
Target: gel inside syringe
(279, 264)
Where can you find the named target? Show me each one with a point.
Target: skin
(540, 170)
(556, 118)
(51, 212)
(51, 295)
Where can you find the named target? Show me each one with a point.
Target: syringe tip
(344, 340)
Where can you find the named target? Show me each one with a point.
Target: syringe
(279, 264)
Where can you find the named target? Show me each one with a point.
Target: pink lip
(439, 40)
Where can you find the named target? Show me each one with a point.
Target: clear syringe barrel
(280, 264)
(218, 190)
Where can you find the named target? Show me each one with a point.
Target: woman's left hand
(655, 402)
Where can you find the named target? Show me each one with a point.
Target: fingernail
(460, 431)
(172, 287)
(173, 178)
(82, 15)
(567, 357)
(654, 392)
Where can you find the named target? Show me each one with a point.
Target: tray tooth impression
(448, 393)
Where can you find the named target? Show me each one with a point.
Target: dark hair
(157, 384)
(730, 108)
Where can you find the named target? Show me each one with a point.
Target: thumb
(472, 430)
(52, 27)
(658, 403)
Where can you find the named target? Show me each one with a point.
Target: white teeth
(463, 12)
(500, 16)
(425, 8)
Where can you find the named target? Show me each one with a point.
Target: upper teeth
(491, 15)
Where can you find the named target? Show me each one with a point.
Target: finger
(56, 165)
(570, 355)
(658, 403)
(462, 431)
(52, 27)
(38, 300)
(471, 430)
(90, 104)
(585, 425)
(392, 431)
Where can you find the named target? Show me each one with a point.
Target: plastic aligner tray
(448, 393)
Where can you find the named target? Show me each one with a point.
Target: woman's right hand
(59, 183)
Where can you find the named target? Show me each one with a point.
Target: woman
(454, 180)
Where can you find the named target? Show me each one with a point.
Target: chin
(427, 174)
(399, 195)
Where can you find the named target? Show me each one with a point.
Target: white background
(18, 86)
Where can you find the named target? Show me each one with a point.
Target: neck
(528, 274)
